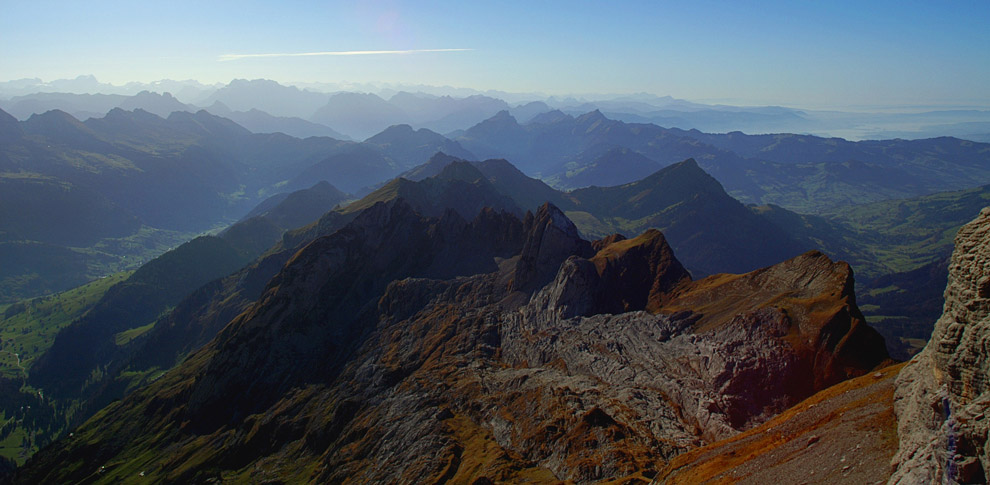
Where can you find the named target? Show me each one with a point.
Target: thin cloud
(234, 57)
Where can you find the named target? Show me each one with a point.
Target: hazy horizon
(834, 55)
(387, 89)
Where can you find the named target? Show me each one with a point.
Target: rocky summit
(409, 349)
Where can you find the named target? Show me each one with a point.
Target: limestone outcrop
(943, 395)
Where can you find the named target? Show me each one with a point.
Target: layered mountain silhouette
(89, 344)
(363, 114)
(409, 147)
(261, 228)
(73, 190)
(261, 122)
(351, 168)
(268, 96)
(805, 173)
(613, 166)
(162, 104)
(709, 229)
(81, 106)
(447, 110)
(445, 114)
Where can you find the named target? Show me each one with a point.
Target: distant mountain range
(448, 110)
(261, 122)
(80, 198)
(162, 178)
(804, 173)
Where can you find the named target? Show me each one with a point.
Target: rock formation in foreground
(411, 349)
(844, 434)
(920, 422)
(943, 395)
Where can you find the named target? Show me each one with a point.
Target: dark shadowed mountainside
(603, 167)
(350, 169)
(112, 192)
(410, 148)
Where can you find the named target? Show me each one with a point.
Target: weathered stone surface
(814, 294)
(844, 434)
(357, 366)
(942, 396)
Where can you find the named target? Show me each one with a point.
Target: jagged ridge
(346, 369)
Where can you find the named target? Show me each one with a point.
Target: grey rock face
(551, 238)
(942, 397)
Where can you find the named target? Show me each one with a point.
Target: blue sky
(794, 53)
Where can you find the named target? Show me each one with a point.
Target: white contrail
(234, 57)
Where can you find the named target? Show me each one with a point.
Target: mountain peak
(591, 117)
(457, 169)
(149, 94)
(58, 124)
(432, 167)
(551, 239)
(503, 115)
(639, 273)
(502, 118)
(257, 83)
(54, 115)
(442, 159)
(686, 173)
(557, 219)
(837, 334)
(400, 129)
(135, 115)
(549, 117)
(219, 108)
(8, 124)
(502, 126)
(357, 97)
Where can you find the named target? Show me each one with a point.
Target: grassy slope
(27, 329)
(908, 233)
(903, 238)
(60, 268)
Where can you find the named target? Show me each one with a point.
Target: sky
(815, 54)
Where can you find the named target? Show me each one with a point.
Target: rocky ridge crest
(361, 362)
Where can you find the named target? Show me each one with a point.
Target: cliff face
(930, 423)
(412, 349)
(814, 295)
(942, 395)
